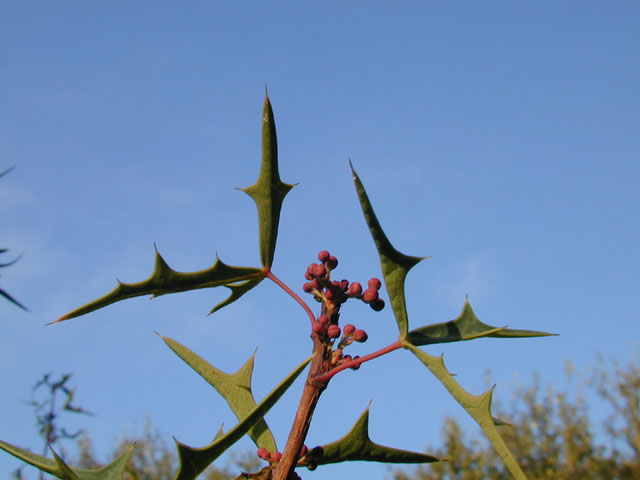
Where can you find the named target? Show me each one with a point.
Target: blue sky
(500, 138)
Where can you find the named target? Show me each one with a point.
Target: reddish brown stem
(293, 294)
(324, 378)
(310, 396)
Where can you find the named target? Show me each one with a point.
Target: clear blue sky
(501, 138)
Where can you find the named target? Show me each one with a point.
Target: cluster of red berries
(308, 458)
(333, 293)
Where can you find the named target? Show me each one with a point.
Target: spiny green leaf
(237, 291)
(58, 468)
(194, 461)
(165, 280)
(269, 191)
(478, 406)
(235, 388)
(395, 265)
(356, 445)
(465, 327)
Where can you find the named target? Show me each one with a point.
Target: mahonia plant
(330, 340)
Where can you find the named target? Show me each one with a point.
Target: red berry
(264, 453)
(277, 456)
(377, 304)
(344, 285)
(319, 270)
(329, 294)
(355, 290)
(348, 329)
(307, 287)
(307, 275)
(333, 331)
(360, 336)
(370, 295)
(315, 284)
(374, 283)
(323, 320)
(317, 328)
(323, 256)
(332, 262)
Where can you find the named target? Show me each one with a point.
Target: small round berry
(315, 284)
(307, 275)
(323, 320)
(360, 336)
(317, 328)
(329, 295)
(355, 290)
(374, 283)
(276, 457)
(344, 284)
(332, 262)
(307, 287)
(377, 304)
(346, 358)
(348, 329)
(333, 331)
(370, 295)
(323, 256)
(264, 453)
(319, 270)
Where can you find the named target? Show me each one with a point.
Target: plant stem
(324, 378)
(293, 295)
(308, 401)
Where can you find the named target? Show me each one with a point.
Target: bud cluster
(306, 457)
(332, 294)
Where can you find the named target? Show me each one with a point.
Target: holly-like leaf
(237, 290)
(165, 280)
(235, 388)
(465, 327)
(269, 191)
(194, 461)
(356, 445)
(478, 406)
(395, 265)
(59, 469)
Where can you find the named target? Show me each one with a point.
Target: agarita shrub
(330, 340)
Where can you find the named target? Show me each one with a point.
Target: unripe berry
(323, 256)
(317, 328)
(333, 331)
(374, 283)
(332, 262)
(348, 329)
(307, 287)
(323, 320)
(355, 290)
(319, 270)
(370, 295)
(360, 336)
(264, 453)
(377, 304)
(277, 456)
(344, 285)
